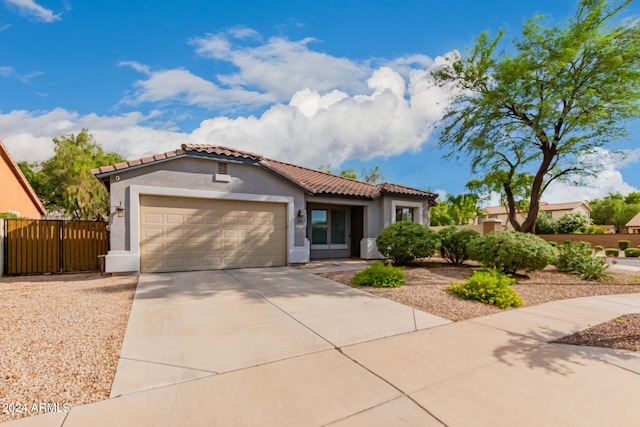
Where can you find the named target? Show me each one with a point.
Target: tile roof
(634, 222)
(545, 207)
(312, 181)
(22, 179)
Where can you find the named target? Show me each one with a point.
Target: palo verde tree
(64, 182)
(558, 95)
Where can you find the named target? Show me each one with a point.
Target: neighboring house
(633, 226)
(17, 196)
(210, 207)
(552, 210)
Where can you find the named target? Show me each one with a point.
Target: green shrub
(632, 252)
(577, 258)
(623, 244)
(510, 251)
(596, 229)
(612, 252)
(453, 243)
(545, 225)
(572, 222)
(490, 287)
(598, 248)
(553, 244)
(380, 275)
(8, 215)
(405, 241)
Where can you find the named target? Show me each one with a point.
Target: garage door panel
(194, 234)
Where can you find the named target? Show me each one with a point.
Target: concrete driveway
(283, 347)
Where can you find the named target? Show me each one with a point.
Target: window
(404, 214)
(549, 215)
(318, 226)
(329, 228)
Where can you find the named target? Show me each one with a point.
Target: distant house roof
(545, 207)
(312, 181)
(635, 221)
(22, 179)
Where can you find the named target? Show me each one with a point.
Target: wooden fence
(53, 246)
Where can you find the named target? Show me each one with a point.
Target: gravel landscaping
(425, 289)
(60, 340)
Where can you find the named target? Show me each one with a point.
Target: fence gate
(53, 246)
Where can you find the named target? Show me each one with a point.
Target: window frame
(329, 228)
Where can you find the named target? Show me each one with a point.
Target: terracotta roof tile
(634, 222)
(313, 181)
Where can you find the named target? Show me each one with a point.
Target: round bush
(453, 243)
(511, 251)
(612, 252)
(405, 241)
(623, 244)
(598, 248)
(553, 244)
(632, 252)
(545, 225)
(571, 223)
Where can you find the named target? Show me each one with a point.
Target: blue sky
(307, 82)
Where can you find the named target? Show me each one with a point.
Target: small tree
(545, 225)
(65, 182)
(405, 241)
(556, 95)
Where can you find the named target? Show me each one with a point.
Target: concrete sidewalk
(283, 347)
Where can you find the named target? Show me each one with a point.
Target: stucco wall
(13, 196)
(195, 174)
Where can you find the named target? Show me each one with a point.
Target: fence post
(2, 243)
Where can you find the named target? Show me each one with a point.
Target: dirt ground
(425, 289)
(60, 340)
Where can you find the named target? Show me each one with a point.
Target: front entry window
(329, 228)
(404, 214)
(319, 226)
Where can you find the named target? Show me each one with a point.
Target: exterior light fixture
(120, 210)
(300, 217)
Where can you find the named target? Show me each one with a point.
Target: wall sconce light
(300, 217)
(120, 210)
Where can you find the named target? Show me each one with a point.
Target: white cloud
(608, 180)
(32, 9)
(6, 71)
(280, 66)
(312, 128)
(180, 85)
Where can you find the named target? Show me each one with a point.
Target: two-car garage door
(178, 234)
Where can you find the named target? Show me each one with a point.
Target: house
(212, 207)
(17, 196)
(633, 226)
(552, 210)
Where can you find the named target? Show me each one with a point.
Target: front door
(357, 230)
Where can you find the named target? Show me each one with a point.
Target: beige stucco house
(633, 226)
(552, 210)
(210, 207)
(17, 196)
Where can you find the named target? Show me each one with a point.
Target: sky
(345, 83)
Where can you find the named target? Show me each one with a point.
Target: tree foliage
(558, 95)
(372, 176)
(455, 210)
(615, 209)
(65, 183)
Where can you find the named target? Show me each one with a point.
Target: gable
(17, 195)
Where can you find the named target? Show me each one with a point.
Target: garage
(180, 234)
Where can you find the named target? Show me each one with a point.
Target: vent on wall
(222, 175)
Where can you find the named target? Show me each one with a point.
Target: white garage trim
(129, 261)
